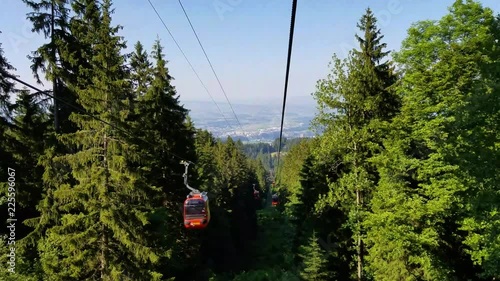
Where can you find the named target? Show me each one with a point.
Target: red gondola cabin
(275, 200)
(196, 211)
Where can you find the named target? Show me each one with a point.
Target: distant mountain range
(260, 120)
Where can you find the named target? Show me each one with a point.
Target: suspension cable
(211, 66)
(88, 114)
(192, 68)
(290, 44)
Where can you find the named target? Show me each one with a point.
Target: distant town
(259, 123)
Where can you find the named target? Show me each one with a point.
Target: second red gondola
(275, 200)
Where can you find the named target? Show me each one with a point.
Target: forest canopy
(402, 183)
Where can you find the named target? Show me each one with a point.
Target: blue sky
(246, 40)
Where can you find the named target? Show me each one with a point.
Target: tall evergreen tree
(6, 88)
(358, 91)
(51, 18)
(162, 120)
(26, 143)
(141, 70)
(107, 208)
(6, 84)
(27, 137)
(60, 61)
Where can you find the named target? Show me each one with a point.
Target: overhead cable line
(196, 73)
(290, 44)
(210, 63)
(46, 92)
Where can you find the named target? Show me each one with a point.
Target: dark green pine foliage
(274, 244)
(358, 92)
(162, 121)
(313, 261)
(6, 89)
(60, 60)
(26, 143)
(27, 138)
(6, 84)
(141, 70)
(79, 49)
(330, 222)
(140, 77)
(378, 77)
(100, 234)
(233, 209)
(7, 160)
(51, 18)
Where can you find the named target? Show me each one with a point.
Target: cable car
(196, 211)
(256, 193)
(196, 207)
(275, 200)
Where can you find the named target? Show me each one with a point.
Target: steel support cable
(290, 44)
(192, 68)
(211, 66)
(90, 115)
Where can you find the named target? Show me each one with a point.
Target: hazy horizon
(246, 41)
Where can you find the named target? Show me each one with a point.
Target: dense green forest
(403, 183)
(267, 153)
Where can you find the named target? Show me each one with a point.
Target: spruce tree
(358, 91)
(377, 76)
(100, 234)
(141, 70)
(60, 61)
(6, 84)
(27, 144)
(162, 120)
(6, 88)
(51, 18)
(314, 261)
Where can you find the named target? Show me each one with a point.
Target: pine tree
(314, 261)
(141, 70)
(6, 88)
(162, 120)
(51, 18)
(107, 208)
(6, 85)
(26, 143)
(60, 61)
(358, 91)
